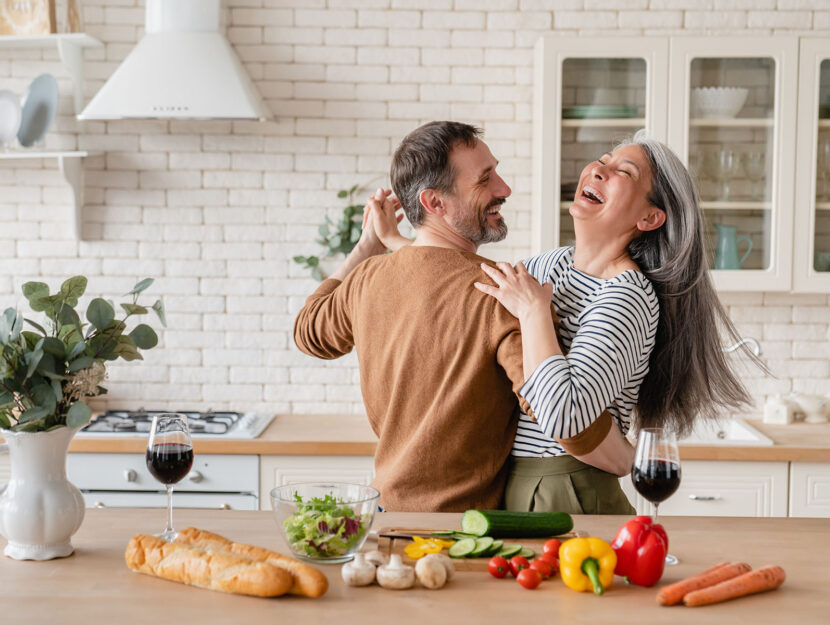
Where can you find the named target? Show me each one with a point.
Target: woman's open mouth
(592, 195)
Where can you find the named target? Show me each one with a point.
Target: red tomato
(543, 567)
(552, 546)
(518, 563)
(498, 566)
(529, 578)
(552, 560)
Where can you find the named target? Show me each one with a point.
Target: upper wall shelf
(69, 45)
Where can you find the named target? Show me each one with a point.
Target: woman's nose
(598, 171)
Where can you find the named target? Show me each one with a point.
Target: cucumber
(507, 524)
(462, 548)
(527, 553)
(497, 545)
(454, 534)
(509, 550)
(483, 546)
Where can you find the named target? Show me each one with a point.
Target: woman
(639, 321)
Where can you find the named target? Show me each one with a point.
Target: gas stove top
(210, 424)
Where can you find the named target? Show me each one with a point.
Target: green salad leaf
(325, 527)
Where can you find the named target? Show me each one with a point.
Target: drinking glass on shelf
(823, 168)
(169, 458)
(721, 165)
(755, 167)
(656, 469)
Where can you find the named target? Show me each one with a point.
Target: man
(440, 362)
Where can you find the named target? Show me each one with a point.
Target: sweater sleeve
(505, 335)
(616, 334)
(323, 327)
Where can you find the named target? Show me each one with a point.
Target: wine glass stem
(169, 530)
(656, 508)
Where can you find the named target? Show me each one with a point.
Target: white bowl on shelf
(718, 102)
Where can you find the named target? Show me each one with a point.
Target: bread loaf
(217, 571)
(308, 581)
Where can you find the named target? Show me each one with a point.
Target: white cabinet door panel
(810, 489)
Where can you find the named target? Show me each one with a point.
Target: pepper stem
(590, 567)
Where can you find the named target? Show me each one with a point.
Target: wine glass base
(168, 536)
(671, 560)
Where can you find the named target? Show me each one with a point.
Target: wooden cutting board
(396, 544)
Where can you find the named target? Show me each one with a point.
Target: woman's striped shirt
(607, 330)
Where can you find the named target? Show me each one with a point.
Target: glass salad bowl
(324, 522)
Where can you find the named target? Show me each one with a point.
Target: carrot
(674, 593)
(760, 580)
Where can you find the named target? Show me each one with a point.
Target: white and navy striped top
(607, 329)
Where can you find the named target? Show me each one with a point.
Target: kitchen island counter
(94, 584)
(350, 435)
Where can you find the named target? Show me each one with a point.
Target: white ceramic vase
(40, 509)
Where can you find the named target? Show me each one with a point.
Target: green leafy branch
(46, 374)
(337, 238)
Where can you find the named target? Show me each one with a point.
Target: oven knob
(130, 475)
(195, 477)
(99, 504)
(225, 506)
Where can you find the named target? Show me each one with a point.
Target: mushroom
(377, 558)
(431, 572)
(446, 561)
(396, 575)
(358, 572)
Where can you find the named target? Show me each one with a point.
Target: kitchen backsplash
(216, 210)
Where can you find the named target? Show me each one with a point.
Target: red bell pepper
(641, 546)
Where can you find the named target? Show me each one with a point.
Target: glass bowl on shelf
(718, 102)
(324, 522)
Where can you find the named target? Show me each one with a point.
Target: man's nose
(503, 189)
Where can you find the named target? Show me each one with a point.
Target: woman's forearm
(539, 341)
(614, 454)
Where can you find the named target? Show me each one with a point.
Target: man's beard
(473, 225)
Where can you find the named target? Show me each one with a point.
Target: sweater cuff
(589, 438)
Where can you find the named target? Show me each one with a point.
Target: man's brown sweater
(440, 370)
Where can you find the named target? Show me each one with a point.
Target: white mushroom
(358, 572)
(431, 572)
(446, 561)
(396, 575)
(377, 558)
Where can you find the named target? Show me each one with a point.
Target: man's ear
(655, 218)
(432, 201)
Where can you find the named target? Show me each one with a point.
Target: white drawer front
(211, 472)
(721, 488)
(810, 489)
(281, 470)
(220, 501)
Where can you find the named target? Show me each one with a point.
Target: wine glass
(722, 165)
(169, 458)
(656, 470)
(823, 167)
(755, 167)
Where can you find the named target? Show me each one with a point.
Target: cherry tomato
(552, 560)
(529, 578)
(544, 568)
(518, 563)
(498, 566)
(552, 546)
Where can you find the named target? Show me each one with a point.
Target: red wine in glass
(169, 458)
(656, 470)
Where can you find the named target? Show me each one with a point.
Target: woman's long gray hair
(689, 376)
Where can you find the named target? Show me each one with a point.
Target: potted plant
(48, 372)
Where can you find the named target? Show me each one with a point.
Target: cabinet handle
(225, 506)
(99, 504)
(195, 477)
(130, 475)
(704, 497)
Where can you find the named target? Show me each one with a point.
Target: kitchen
(216, 210)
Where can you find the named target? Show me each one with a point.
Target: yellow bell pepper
(419, 547)
(587, 564)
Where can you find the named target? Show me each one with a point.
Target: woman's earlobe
(655, 218)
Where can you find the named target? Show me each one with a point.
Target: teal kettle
(726, 250)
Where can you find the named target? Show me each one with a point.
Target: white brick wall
(216, 210)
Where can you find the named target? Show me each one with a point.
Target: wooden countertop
(350, 435)
(95, 586)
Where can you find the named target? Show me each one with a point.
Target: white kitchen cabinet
(810, 489)
(744, 164)
(811, 268)
(280, 470)
(722, 488)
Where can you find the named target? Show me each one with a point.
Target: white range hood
(183, 68)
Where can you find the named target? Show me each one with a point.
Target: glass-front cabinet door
(811, 271)
(587, 101)
(732, 106)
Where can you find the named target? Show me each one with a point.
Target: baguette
(197, 567)
(308, 581)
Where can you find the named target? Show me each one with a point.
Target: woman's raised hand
(517, 290)
(381, 212)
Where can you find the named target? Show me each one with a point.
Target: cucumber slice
(443, 532)
(508, 550)
(527, 553)
(454, 534)
(483, 546)
(507, 524)
(497, 545)
(462, 548)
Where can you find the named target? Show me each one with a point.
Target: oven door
(127, 499)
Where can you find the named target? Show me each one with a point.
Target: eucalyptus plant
(49, 371)
(337, 238)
